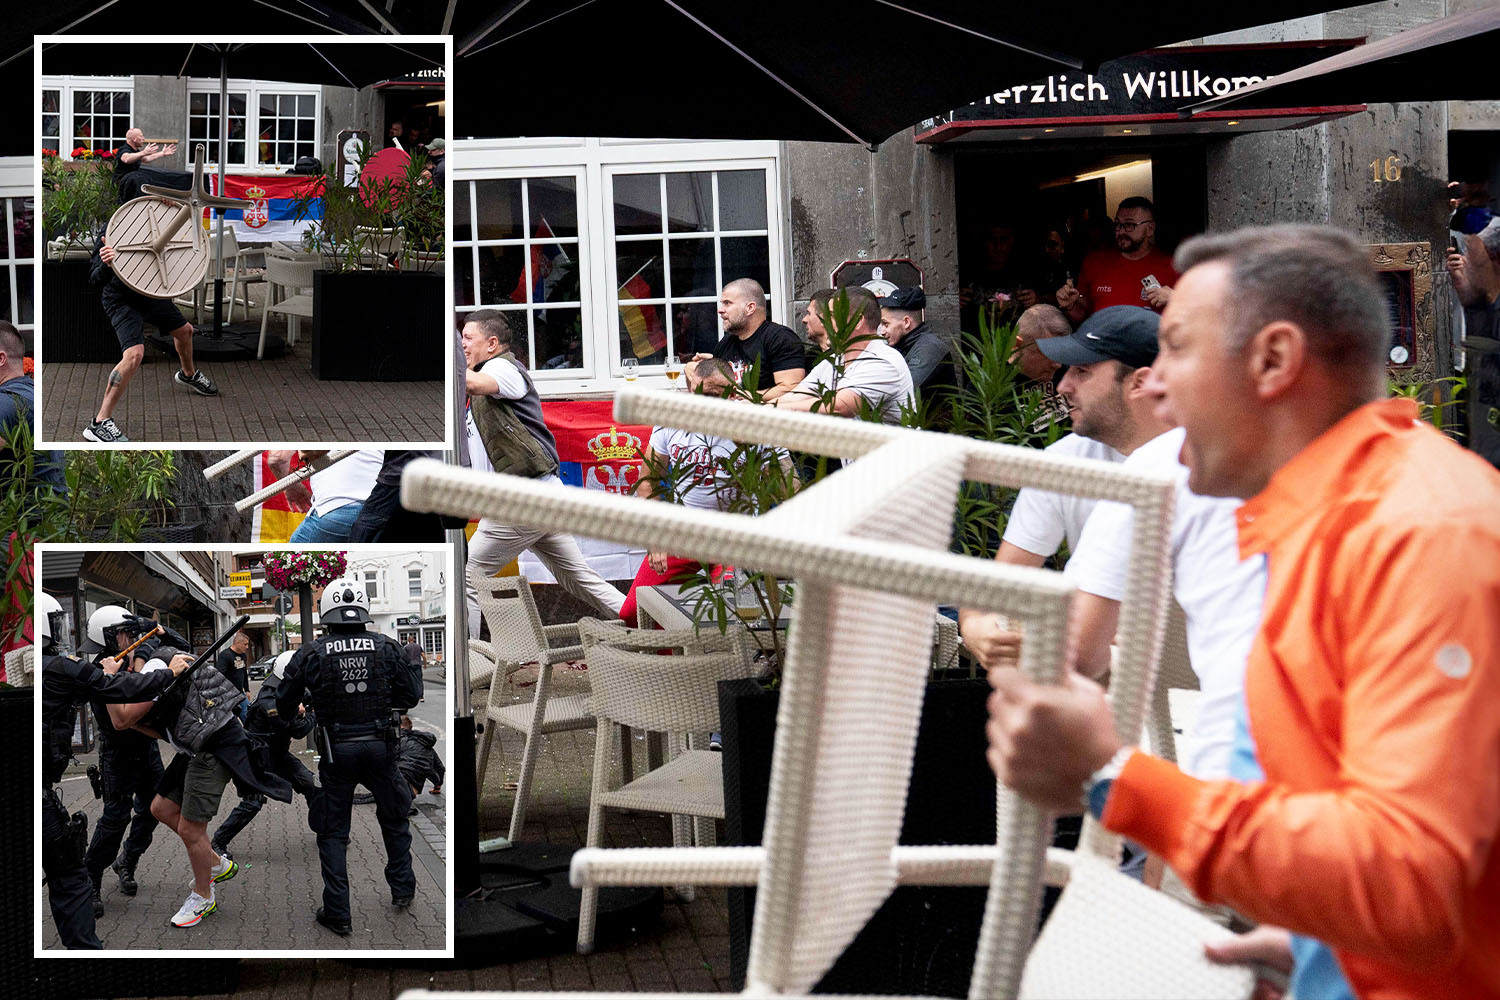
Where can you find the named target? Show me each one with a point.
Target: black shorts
(129, 313)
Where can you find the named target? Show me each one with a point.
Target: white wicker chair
(518, 638)
(286, 280)
(857, 662)
(661, 682)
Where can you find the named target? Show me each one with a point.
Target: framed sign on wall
(1405, 273)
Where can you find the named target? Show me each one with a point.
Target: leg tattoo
(115, 378)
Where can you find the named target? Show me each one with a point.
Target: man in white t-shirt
(506, 432)
(870, 373)
(1108, 358)
(334, 495)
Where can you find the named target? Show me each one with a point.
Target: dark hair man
(356, 679)
(1365, 807)
(18, 405)
(65, 681)
(1132, 274)
(129, 312)
(750, 336)
(869, 370)
(928, 356)
(506, 433)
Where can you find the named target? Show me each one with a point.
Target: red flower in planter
(108, 154)
(49, 152)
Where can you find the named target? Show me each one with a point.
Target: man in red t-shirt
(1138, 274)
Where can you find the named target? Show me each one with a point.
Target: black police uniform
(130, 768)
(65, 682)
(355, 679)
(266, 722)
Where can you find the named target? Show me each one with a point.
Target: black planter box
(26, 977)
(74, 325)
(922, 941)
(378, 326)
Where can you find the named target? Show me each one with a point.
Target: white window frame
(16, 176)
(417, 579)
(253, 91)
(66, 85)
(364, 578)
(434, 640)
(595, 161)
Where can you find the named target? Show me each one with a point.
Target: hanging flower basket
(289, 570)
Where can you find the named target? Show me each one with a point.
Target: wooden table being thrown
(161, 248)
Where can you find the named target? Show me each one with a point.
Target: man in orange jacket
(1366, 812)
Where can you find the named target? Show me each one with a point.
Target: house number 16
(1391, 167)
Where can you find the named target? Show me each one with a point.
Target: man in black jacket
(66, 681)
(356, 680)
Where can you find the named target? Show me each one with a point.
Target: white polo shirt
(346, 481)
(1040, 520)
(1220, 595)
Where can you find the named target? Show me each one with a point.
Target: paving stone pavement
(687, 951)
(259, 401)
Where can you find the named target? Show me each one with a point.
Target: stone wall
(212, 502)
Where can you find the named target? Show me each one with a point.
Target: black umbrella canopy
(352, 63)
(858, 71)
(1450, 59)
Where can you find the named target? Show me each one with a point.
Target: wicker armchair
(662, 682)
(517, 638)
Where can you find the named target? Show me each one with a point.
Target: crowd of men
(1335, 558)
(349, 688)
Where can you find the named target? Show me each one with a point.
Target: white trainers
(225, 870)
(194, 910)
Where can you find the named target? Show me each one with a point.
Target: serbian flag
(642, 323)
(547, 259)
(595, 452)
(274, 520)
(272, 214)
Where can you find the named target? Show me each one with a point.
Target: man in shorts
(128, 313)
(186, 801)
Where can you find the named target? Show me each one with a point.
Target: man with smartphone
(1135, 273)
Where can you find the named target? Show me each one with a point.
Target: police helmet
(344, 602)
(106, 622)
(46, 607)
(278, 670)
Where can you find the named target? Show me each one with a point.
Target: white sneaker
(194, 910)
(225, 870)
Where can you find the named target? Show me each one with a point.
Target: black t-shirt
(232, 665)
(121, 167)
(777, 347)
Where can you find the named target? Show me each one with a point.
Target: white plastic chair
(286, 281)
(661, 682)
(518, 638)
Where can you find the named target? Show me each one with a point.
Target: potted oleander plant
(378, 289)
(78, 197)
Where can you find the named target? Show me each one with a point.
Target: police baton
(166, 696)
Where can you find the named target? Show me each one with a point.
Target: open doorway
(413, 117)
(1028, 216)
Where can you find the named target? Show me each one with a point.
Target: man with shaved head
(750, 336)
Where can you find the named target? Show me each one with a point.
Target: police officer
(358, 681)
(129, 765)
(66, 681)
(265, 720)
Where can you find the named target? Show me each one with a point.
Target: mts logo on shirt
(351, 645)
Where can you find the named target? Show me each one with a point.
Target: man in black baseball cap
(927, 354)
(1107, 358)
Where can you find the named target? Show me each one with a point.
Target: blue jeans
(331, 527)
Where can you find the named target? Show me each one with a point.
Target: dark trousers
(371, 763)
(127, 778)
(383, 519)
(69, 892)
(290, 768)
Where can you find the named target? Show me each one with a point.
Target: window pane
(639, 271)
(463, 279)
(747, 257)
(267, 105)
(690, 202)
(559, 338)
(120, 103)
(695, 327)
(502, 276)
(499, 204)
(51, 100)
(637, 204)
(286, 154)
(742, 199)
(554, 206)
(83, 101)
(462, 230)
(554, 271)
(23, 295)
(693, 267)
(237, 105)
(305, 131)
(286, 129)
(304, 106)
(198, 104)
(236, 152)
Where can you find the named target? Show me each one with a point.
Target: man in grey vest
(506, 433)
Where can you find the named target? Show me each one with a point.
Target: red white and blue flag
(272, 215)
